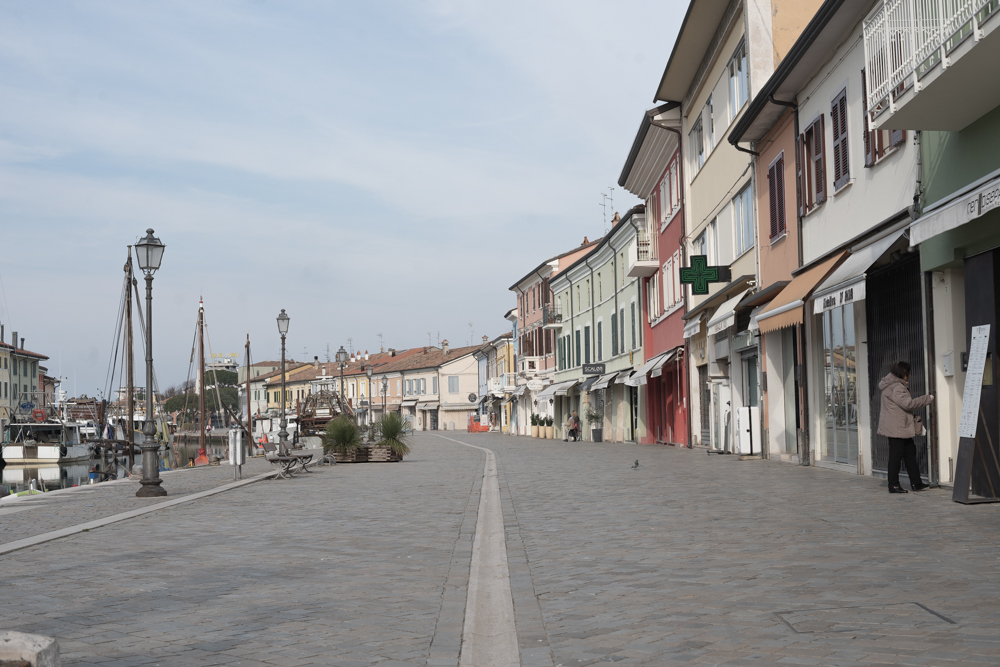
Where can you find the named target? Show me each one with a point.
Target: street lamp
(368, 372)
(342, 363)
(283, 433)
(385, 390)
(149, 253)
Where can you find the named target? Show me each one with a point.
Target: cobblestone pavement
(688, 559)
(38, 514)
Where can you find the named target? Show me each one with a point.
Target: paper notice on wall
(974, 381)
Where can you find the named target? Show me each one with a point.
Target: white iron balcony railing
(906, 38)
(509, 381)
(642, 247)
(642, 261)
(551, 316)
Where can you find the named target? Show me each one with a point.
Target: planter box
(369, 454)
(534, 430)
(549, 432)
(596, 434)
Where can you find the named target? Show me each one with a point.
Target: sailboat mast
(249, 416)
(130, 361)
(201, 376)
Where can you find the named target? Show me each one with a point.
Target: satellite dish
(472, 398)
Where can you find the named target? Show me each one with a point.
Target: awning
(520, 390)
(753, 317)
(657, 370)
(957, 209)
(589, 382)
(623, 377)
(786, 308)
(563, 388)
(409, 402)
(549, 391)
(693, 327)
(847, 282)
(725, 316)
(603, 381)
(428, 406)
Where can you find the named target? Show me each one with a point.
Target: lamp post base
(151, 489)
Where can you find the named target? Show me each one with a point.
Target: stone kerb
(20, 648)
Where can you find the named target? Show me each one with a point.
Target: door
(706, 405)
(982, 302)
(895, 333)
(633, 398)
(434, 419)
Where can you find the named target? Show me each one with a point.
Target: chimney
(585, 241)
(22, 342)
(315, 362)
(392, 352)
(444, 346)
(615, 220)
(486, 339)
(14, 342)
(366, 355)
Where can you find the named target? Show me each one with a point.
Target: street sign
(535, 385)
(472, 398)
(700, 274)
(593, 369)
(27, 406)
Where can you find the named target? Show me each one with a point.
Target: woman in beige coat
(896, 422)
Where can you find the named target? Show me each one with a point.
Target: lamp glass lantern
(283, 322)
(341, 356)
(149, 252)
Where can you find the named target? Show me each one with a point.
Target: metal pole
(150, 461)
(249, 415)
(283, 434)
(130, 357)
(202, 449)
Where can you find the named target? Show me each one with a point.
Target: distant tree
(221, 378)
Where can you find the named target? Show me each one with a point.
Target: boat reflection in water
(46, 476)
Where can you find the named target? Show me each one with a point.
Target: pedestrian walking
(573, 430)
(898, 423)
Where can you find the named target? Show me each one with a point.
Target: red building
(653, 172)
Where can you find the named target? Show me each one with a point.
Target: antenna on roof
(472, 334)
(439, 339)
(350, 346)
(381, 345)
(604, 211)
(327, 353)
(429, 339)
(611, 198)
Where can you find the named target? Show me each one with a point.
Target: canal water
(52, 476)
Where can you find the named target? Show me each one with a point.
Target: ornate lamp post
(368, 372)
(149, 251)
(385, 390)
(283, 433)
(342, 363)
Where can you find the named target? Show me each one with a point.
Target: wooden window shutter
(897, 137)
(800, 186)
(772, 191)
(869, 144)
(779, 180)
(819, 160)
(838, 111)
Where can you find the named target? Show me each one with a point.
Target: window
(621, 327)
(578, 351)
(409, 387)
(776, 195)
(614, 334)
(634, 344)
(578, 302)
(423, 385)
(560, 354)
(434, 385)
(743, 220)
(878, 143)
(710, 117)
(452, 384)
(811, 190)
(586, 344)
(668, 282)
(15, 367)
(653, 297)
(587, 290)
(600, 341)
(676, 276)
(841, 164)
(737, 81)
(34, 368)
(600, 288)
(696, 139)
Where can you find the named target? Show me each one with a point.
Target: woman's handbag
(918, 425)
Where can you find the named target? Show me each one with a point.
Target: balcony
(504, 383)
(551, 317)
(928, 63)
(531, 365)
(642, 261)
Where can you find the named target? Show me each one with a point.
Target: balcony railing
(529, 364)
(642, 256)
(551, 317)
(906, 38)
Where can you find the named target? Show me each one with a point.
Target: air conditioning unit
(748, 431)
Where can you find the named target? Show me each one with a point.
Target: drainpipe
(593, 322)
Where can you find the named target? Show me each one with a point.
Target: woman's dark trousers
(900, 450)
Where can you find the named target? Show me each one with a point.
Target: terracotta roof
(26, 353)
(431, 359)
(288, 369)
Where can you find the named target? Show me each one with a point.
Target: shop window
(840, 428)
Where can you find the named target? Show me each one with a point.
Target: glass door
(840, 435)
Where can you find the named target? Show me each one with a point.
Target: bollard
(237, 457)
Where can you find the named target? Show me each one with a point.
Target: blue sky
(371, 167)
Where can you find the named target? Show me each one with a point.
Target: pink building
(536, 361)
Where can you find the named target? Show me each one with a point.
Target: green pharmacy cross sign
(700, 274)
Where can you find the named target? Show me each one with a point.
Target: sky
(371, 167)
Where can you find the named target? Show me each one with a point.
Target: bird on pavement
(635, 465)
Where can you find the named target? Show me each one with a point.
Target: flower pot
(548, 431)
(596, 434)
(534, 431)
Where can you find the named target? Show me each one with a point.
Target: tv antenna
(604, 211)
(327, 353)
(381, 345)
(472, 334)
(429, 344)
(350, 346)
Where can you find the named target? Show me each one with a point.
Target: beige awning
(786, 308)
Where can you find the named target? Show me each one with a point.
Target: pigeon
(635, 465)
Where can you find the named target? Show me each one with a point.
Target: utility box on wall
(748, 431)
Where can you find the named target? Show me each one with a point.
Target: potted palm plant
(392, 433)
(548, 428)
(342, 438)
(594, 418)
(534, 425)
